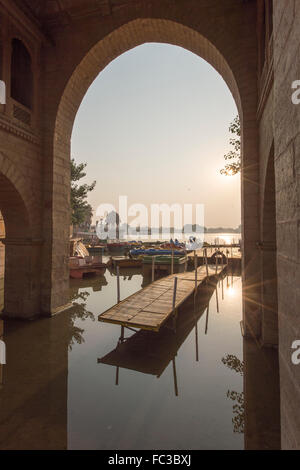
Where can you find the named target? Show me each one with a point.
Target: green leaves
(234, 155)
(80, 208)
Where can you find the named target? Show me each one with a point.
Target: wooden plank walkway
(151, 307)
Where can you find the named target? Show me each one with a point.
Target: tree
(79, 205)
(234, 155)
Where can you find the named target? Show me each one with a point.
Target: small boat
(96, 249)
(173, 245)
(81, 267)
(126, 262)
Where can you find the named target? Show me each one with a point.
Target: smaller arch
(22, 250)
(13, 209)
(21, 74)
(18, 184)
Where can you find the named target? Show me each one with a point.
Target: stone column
(22, 278)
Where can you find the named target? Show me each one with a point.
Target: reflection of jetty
(151, 353)
(151, 307)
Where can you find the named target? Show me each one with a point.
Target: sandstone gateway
(50, 53)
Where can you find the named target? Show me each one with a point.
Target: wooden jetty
(151, 307)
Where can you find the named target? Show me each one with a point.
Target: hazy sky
(154, 126)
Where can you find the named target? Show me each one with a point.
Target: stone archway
(22, 252)
(87, 62)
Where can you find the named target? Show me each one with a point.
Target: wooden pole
(217, 257)
(206, 262)
(118, 284)
(174, 304)
(172, 262)
(196, 272)
(206, 323)
(174, 293)
(153, 268)
(217, 298)
(196, 338)
(175, 378)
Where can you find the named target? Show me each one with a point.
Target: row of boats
(87, 260)
(135, 248)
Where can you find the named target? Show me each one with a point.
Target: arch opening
(139, 112)
(136, 32)
(81, 74)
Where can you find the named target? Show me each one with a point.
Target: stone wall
(287, 173)
(2, 260)
(228, 44)
(35, 158)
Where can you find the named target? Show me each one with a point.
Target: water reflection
(172, 387)
(149, 352)
(79, 296)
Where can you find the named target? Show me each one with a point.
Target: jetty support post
(118, 285)
(206, 263)
(122, 337)
(206, 322)
(196, 272)
(174, 303)
(196, 341)
(172, 262)
(217, 299)
(175, 377)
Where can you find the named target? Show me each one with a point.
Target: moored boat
(81, 264)
(81, 267)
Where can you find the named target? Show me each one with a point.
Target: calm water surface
(67, 385)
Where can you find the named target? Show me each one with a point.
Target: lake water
(173, 391)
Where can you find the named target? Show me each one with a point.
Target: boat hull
(80, 273)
